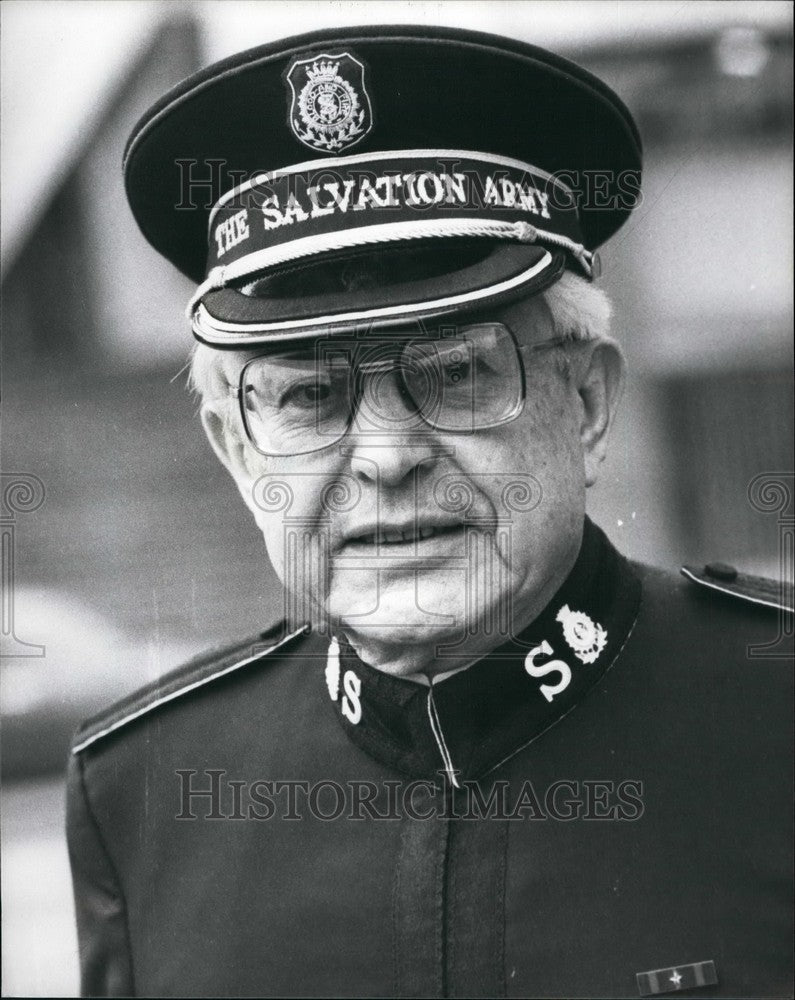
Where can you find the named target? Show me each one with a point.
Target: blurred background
(125, 547)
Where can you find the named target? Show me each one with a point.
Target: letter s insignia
(548, 690)
(351, 703)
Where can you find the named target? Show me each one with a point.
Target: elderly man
(482, 754)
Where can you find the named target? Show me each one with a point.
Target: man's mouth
(398, 536)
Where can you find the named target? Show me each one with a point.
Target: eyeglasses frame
(372, 367)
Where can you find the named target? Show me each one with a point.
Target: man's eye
(308, 394)
(456, 373)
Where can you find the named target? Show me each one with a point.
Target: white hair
(579, 309)
(206, 375)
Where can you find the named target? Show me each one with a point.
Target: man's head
(501, 508)
(408, 371)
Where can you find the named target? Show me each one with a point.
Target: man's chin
(404, 634)
(397, 651)
(398, 608)
(400, 623)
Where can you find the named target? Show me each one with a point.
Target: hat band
(308, 246)
(316, 208)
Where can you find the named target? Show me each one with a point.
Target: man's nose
(388, 440)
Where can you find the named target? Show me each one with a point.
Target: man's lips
(386, 535)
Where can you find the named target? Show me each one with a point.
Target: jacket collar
(470, 722)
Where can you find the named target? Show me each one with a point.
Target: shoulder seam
(740, 595)
(179, 692)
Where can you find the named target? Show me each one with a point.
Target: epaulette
(756, 589)
(207, 668)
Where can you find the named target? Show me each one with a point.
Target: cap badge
(330, 107)
(585, 636)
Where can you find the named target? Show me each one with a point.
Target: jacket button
(720, 571)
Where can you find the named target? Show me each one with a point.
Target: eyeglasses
(299, 402)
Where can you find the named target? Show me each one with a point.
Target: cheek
(542, 443)
(531, 472)
(548, 446)
(291, 500)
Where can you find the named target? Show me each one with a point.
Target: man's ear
(600, 379)
(230, 449)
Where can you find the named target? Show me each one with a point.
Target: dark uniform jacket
(606, 795)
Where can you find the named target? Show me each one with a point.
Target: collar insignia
(469, 723)
(585, 636)
(330, 107)
(333, 670)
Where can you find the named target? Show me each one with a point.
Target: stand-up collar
(470, 722)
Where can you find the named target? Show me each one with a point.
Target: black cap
(471, 167)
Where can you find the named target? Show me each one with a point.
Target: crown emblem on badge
(322, 70)
(585, 636)
(329, 108)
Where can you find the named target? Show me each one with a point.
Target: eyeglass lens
(297, 403)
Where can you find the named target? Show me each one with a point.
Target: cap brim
(231, 318)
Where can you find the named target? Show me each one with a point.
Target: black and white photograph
(398, 533)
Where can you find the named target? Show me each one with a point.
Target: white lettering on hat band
(309, 166)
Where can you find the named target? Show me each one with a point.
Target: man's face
(409, 538)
